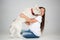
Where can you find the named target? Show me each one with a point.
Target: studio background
(9, 10)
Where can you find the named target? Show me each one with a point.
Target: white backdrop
(11, 8)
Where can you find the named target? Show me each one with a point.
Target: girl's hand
(22, 15)
(28, 23)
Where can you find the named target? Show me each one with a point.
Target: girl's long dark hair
(43, 19)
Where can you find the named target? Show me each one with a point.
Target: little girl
(34, 25)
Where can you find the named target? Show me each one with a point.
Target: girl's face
(42, 11)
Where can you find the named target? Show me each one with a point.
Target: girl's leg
(29, 34)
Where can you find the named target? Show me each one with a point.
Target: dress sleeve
(39, 18)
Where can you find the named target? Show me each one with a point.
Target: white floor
(45, 37)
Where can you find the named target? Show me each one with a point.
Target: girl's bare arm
(31, 20)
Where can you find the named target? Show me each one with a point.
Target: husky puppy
(16, 25)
